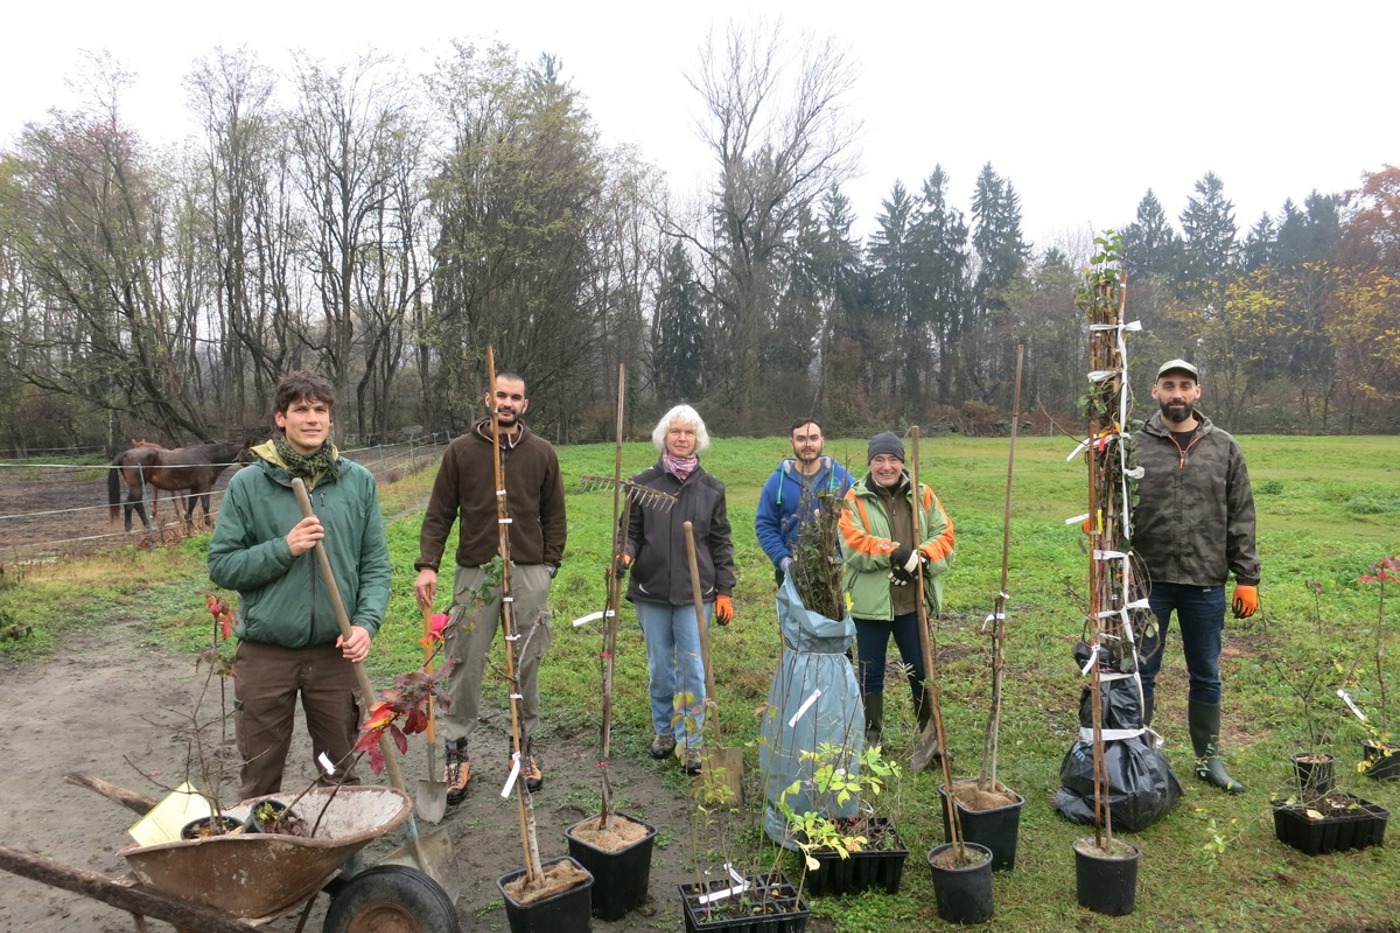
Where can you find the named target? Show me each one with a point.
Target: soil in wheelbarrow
(117, 708)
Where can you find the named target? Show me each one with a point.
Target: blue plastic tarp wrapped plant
(814, 703)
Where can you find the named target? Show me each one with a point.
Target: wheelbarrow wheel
(391, 899)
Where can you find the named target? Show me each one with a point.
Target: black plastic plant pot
(566, 912)
(619, 877)
(198, 829)
(1106, 883)
(254, 824)
(876, 868)
(1314, 773)
(768, 904)
(964, 894)
(997, 829)
(1384, 759)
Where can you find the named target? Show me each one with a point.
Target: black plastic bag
(1142, 786)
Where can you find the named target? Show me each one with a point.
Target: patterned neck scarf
(309, 467)
(681, 467)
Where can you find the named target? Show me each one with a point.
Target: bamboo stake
(528, 839)
(987, 780)
(621, 515)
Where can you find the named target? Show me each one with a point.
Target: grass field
(1328, 509)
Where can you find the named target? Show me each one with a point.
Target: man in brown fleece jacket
(465, 488)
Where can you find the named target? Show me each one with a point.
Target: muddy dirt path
(117, 708)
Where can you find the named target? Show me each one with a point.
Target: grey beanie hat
(886, 442)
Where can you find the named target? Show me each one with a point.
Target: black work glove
(904, 563)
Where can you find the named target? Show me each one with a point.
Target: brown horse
(191, 470)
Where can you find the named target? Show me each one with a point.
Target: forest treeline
(384, 226)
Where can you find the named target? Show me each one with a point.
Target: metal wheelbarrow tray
(262, 875)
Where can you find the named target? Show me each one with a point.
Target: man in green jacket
(884, 552)
(1193, 526)
(289, 640)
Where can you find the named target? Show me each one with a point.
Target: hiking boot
(663, 746)
(531, 773)
(691, 761)
(457, 771)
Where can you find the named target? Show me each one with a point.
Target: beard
(1176, 412)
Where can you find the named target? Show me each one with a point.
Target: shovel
(430, 854)
(431, 800)
(728, 763)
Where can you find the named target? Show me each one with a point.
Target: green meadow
(1328, 509)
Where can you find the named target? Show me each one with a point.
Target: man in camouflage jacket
(1193, 526)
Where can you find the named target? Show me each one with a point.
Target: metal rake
(636, 493)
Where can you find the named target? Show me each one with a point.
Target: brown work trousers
(267, 679)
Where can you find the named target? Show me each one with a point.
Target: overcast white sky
(1276, 98)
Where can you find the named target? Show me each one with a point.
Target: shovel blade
(430, 803)
(438, 860)
(926, 750)
(728, 764)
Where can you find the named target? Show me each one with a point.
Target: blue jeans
(674, 669)
(1200, 612)
(873, 637)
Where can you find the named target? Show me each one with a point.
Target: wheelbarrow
(236, 883)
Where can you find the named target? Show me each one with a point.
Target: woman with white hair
(660, 588)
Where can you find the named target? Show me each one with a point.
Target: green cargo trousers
(469, 636)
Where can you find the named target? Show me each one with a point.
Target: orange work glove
(1246, 601)
(724, 610)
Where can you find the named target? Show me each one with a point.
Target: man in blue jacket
(794, 492)
(289, 641)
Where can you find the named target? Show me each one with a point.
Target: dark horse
(191, 470)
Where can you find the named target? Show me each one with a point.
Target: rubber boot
(1203, 719)
(1147, 703)
(874, 718)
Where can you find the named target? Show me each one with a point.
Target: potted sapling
(614, 847)
(845, 854)
(1380, 754)
(989, 811)
(1105, 867)
(542, 897)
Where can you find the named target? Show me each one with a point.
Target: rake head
(636, 493)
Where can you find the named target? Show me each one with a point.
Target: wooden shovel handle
(342, 618)
(703, 628)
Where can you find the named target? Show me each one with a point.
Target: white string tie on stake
(1093, 656)
(514, 773)
(504, 521)
(1078, 519)
(1110, 555)
(591, 617)
(806, 705)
